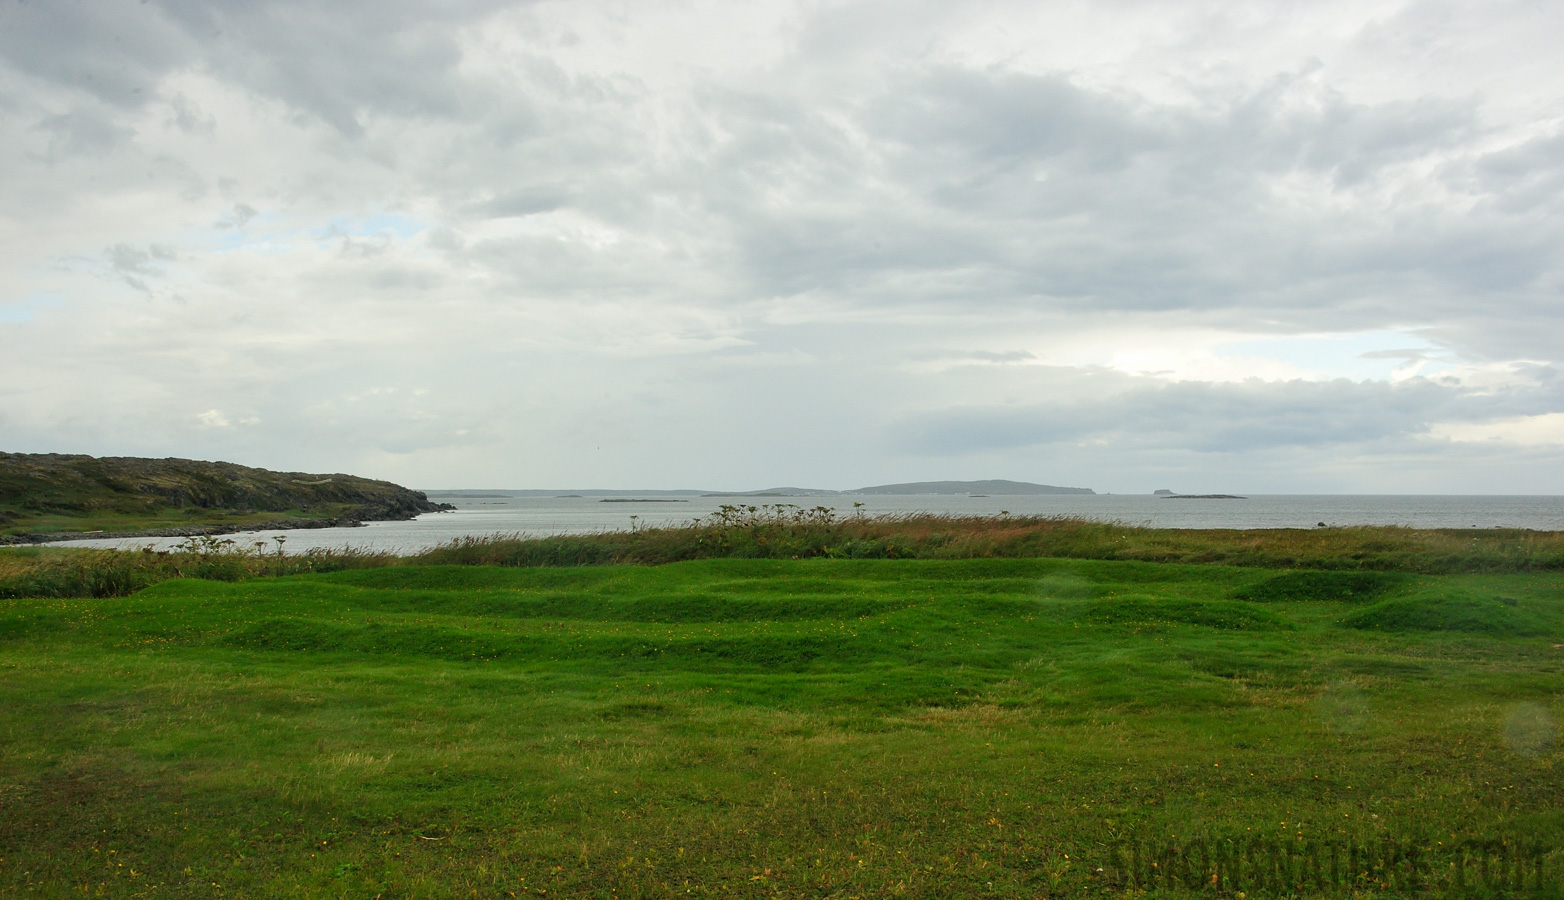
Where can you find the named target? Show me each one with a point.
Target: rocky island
(995, 487)
(1166, 494)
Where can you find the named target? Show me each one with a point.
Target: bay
(525, 513)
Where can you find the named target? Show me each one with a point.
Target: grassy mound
(760, 653)
(1470, 614)
(1321, 587)
(1225, 614)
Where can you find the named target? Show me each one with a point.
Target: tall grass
(783, 531)
(65, 572)
(786, 532)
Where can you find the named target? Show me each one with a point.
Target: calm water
(501, 514)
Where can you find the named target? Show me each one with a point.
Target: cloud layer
(544, 244)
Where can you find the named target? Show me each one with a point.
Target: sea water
(499, 512)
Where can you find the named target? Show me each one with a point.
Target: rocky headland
(53, 496)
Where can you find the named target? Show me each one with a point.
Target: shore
(190, 531)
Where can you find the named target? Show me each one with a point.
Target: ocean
(501, 512)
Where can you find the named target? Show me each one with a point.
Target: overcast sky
(1268, 247)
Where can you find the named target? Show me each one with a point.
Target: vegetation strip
(1365, 559)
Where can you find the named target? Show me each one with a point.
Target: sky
(1274, 247)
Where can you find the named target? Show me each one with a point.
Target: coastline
(543, 516)
(54, 537)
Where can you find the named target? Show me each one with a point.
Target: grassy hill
(58, 494)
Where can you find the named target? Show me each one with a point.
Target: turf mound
(1475, 615)
(601, 653)
(466, 578)
(1209, 613)
(1321, 587)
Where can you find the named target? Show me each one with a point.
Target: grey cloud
(115, 50)
(336, 62)
(83, 132)
(993, 187)
(125, 258)
(834, 32)
(523, 202)
(447, 239)
(190, 118)
(934, 184)
(238, 217)
(979, 357)
(1526, 178)
(1222, 418)
(1327, 134)
(135, 266)
(1008, 356)
(989, 121)
(1409, 354)
(864, 182)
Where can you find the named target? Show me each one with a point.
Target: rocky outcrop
(77, 489)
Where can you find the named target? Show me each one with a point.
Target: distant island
(53, 496)
(993, 488)
(1166, 494)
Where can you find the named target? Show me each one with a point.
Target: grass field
(814, 728)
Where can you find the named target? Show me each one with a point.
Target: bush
(64, 572)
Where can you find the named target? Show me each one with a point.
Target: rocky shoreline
(200, 530)
(191, 531)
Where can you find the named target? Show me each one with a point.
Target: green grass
(762, 727)
(1342, 587)
(1458, 610)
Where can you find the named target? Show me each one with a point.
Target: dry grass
(782, 533)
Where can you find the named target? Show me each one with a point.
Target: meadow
(815, 727)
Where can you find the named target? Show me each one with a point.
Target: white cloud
(1546, 430)
(516, 243)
